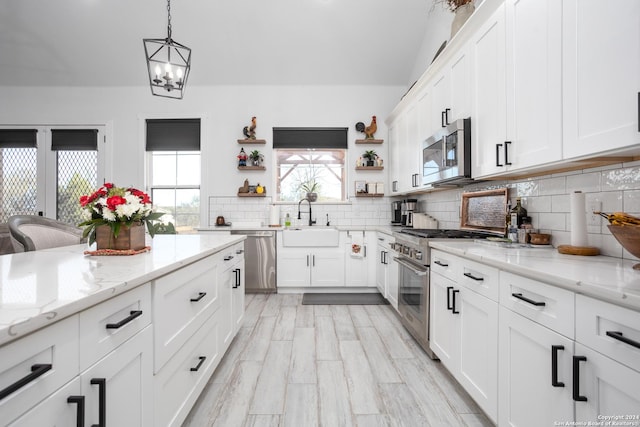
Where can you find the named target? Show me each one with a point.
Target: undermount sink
(310, 237)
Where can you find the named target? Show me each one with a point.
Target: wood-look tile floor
(318, 365)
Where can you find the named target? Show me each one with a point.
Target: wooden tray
(578, 250)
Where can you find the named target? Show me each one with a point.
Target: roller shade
(18, 138)
(173, 135)
(74, 139)
(309, 138)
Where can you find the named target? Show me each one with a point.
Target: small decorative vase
(462, 13)
(129, 238)
(312, 197)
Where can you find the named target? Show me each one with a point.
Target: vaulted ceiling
(243, 42)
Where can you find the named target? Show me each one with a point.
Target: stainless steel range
(413, 255)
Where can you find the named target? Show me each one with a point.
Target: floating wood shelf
(252, 168)
(369, 168)
(369, 195)
(369, 141)
(252, 194)
(252, 141)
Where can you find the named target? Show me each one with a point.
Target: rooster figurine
(371, 129)
(250, 131)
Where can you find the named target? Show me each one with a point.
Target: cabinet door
(489, 110)
(461, 86)
(394, 156)
(534, 74)
(327, 268)
(441, 101)
(293, 267)
(527, 395)
(392, 281)
(226, 281)
(601, 75)
(479, 350)
(237, 293)
(444, 325)
(425, 122)
(357, 264)
(411, 150)
(609, 387)
(381, 270)
(119, 388)
(55, 410)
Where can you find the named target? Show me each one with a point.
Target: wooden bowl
(629, 237)
(539, 238)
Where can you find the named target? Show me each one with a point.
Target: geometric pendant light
(168, 64)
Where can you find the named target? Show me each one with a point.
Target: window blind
(74, 139)
(309, 137)
(18, 138)
(173, 135)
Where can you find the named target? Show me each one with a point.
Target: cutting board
(578, 250)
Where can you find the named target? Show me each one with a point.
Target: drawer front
(610, 329)
(106, 326)
(445, 264)
(181, 380)
(55, 410)
(182, 301)
(548, 305)
(56, 345)
(480, 278)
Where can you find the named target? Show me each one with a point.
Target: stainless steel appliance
(446, 155)
(407, 209)
(413, 257)
(260, 260)
(396, 213)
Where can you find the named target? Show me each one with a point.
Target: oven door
(413, 298)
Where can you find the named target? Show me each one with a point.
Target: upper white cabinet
(451, 92)
(601, 75)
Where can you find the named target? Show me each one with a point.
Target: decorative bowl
(539, 238)
(629, 237)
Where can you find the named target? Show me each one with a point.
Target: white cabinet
(451, 91)
(601, 75)
(307, 266)
(394, 157)
(359, 267)
(404, 135)
(62, 408)
(386, 270)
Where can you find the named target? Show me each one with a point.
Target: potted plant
(311, 188)
(371, 157)
(256, 157)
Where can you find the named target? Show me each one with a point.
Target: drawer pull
(471, 276)
(239, 251)
(78, 400)
(36, 371)
(449, 288)
(618, 336)
(441, 264)
(554, 365)
(453, 301)
(530, 301)
(237, 282)
(576, 378)
(197, 367)
(102, 401)
(132, 315)
(199, 297)
(228, 258)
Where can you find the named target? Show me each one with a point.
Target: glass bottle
(287, 221)
(518, 213)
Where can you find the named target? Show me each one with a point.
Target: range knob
(418, 255)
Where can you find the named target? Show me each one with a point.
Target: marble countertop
(606, 278)
(387, 229)
(40, 287)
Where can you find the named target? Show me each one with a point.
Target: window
(310, 160)
(173, 147)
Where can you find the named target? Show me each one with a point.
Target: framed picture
(361, 187)
(252, 188)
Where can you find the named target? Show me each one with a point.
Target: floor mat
(342, 299)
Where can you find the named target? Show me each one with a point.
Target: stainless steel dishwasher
(259, 260)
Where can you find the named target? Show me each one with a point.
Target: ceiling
(244, 42)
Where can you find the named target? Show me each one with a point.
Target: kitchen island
(132, 339)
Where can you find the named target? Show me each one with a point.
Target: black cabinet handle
(554, 365)
(576, 378)
(199, 297)
(506, 153)
(237, 274)
(239, 251)
(446, 116)
(440, 263)
(471, 276)
(37, 370)
(449, 288)
(618, 336)
(132, 315)
(442, 113)
(197, 367)
(498, 164)
(102, 401)
(228, 258)
(530, 301)
(78, 400)
(453, 301)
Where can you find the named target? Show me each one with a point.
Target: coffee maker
(408, 207)
(396, 213)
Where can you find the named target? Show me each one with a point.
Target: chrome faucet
(311, 221)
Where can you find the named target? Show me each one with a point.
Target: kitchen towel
(274, 215)
(578, 220)
(357, 244)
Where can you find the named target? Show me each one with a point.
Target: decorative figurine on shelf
(360, 162)
(250, 131)
(370, 130)
(256, 157)
(242, 158)
(244, 188)
(379, 161)
(260, 189)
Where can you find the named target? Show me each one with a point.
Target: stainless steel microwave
(446, 155)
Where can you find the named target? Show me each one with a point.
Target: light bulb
(157, 70)
(179, 73)
(167, 68)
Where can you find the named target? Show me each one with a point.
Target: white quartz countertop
(606, 278)
(387, 229)
(38, 288)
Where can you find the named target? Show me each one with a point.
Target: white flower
(108, 215)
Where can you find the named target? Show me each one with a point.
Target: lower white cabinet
(535, 377)
(359, 268)
(62, 408)
(386, 270)
(304, 267)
